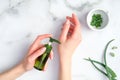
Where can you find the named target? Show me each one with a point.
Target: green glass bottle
(41, 60)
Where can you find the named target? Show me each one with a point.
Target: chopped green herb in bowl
(96, 20)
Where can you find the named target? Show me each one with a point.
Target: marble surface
(22, 20)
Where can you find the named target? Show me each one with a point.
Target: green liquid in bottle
(41, 60)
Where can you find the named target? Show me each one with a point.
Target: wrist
(18, 70)
(65, 68)
(65, 58)
(64, 61)
(21, 68)
(13, 73)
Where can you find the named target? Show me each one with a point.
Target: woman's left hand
(36, 49)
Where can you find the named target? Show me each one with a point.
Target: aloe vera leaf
(105, 51)
(110, 70)
(105, 61)
(112, 73)
(96, 62)
(97, 68)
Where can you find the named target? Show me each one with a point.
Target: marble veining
(22, 20)
(12, 5)
(82, 4)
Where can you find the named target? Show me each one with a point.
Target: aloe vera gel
(41, 60)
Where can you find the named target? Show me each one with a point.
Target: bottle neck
(49, 43)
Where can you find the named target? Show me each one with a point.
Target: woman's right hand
(70, 37)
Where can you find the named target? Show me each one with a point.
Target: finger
(76, 30)
(76, 20)
(70, 31)
(36, 44)
(41, 37)
(71, 19)
(32, 50)
(51, 55)
(65, 30)
(71, 27)
(36, 54)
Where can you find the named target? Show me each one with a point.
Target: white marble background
(22, 20)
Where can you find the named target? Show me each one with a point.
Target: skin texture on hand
(70, 38)
(36, 49)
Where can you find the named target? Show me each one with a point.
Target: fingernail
(43, 49)
(52, 58)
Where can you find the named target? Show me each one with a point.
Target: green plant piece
(109, 73)
(112, 54)
(114, 47)
(54, 40)
(41, 60)
(96, 20)
(96, 66)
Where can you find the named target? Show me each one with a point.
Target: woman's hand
(36, 49)
(70, 37)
